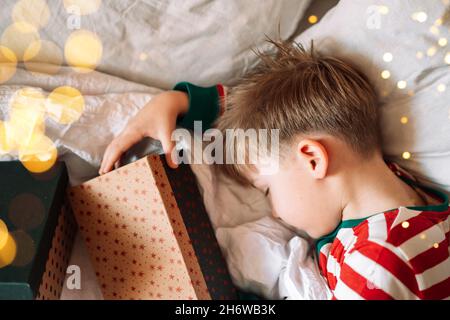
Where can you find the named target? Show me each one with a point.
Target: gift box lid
(29, 207)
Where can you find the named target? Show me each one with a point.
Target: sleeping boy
(380, 234)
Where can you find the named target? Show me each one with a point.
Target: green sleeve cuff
(204, 105)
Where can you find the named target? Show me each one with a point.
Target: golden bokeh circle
(65, 105)
(5, 145)
(83, 51)
(8, 248)
(39, 155)
(26, 117)
(3, 233)
(43, 57)
(18, 37)
(83, 7)
(313, 19)
(8, 252)
(8, 64)
(34, 12)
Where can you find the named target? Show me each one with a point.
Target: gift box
(148, 234)
(37, 230)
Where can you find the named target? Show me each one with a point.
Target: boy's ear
(314, 156)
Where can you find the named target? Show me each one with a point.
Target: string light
(143, 56)
(388, 57)
(419, 16)
(404, 120)
(313, 19)
(434, 30)
(385, 74)
(447, 58)
(401, 84)
(431, 51)
(406, 155)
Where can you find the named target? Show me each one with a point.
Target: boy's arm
(206, 104)
(183, 105)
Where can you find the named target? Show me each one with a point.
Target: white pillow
(158, 43)
(365, 32)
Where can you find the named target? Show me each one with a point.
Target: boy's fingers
(168, 146)
(115, 150)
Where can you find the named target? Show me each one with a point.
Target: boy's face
(299, 193)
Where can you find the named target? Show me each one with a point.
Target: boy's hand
(156, 120)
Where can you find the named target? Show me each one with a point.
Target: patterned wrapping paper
(132, 223)
(58, 259)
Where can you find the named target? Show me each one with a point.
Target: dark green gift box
(41, 228)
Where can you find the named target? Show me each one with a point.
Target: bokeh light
(26, 117)
(34, 12)
(404, 120)
(447, 58)
(401, 84)
(5, 148)
(84, 7)
(83, 51)
(385, 74)
(65, 105)
(420, 16)
(8, 64)
(39, 155)
(43, 57)
(431, 51)
(313, 19)
(434, 30)
(443, 42)
(441, 88)
(8, 247)
(18, 37)
(3, 233)
(406, 155)
(388, 57)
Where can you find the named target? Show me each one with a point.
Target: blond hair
(301, 92)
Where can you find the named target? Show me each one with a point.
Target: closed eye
(267, 192)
